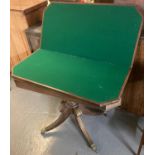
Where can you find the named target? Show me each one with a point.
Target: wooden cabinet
(133, 96)
(23, 14)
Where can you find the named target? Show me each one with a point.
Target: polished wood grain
(26, 5)
(30, 85)
(65, 113)
(68, 108)
(133, 96)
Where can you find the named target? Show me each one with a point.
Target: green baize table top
(86, 50)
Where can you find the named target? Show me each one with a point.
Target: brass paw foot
(43, 131)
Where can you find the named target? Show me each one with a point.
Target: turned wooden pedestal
(68, 108)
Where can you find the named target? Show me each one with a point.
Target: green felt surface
(94, 80)
(86, 50)
(102, 32)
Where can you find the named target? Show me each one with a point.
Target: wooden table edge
(44, 89)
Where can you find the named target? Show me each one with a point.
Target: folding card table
(85, 57)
